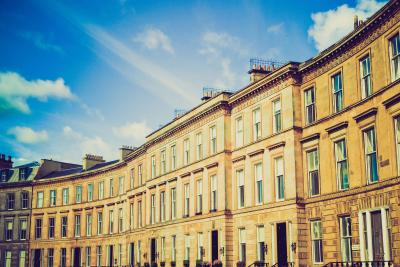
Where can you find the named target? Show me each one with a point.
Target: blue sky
(82, 77)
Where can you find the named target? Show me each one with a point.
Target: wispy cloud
(220, 48)
(134, 132)
(213, 42)
(40, 42)
(329, 26)
(15, 90)
(88, 144)
(275, 28)
(27, 135)
(135, 60)
(153, 39)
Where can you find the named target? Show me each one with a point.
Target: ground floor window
(375, 242)
(345, 238)
(316, 238)
(242, 245)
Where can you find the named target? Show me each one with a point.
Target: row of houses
(301, 167)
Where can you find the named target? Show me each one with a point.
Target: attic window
(3, 175)
(22, 174)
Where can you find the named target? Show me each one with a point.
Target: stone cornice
(337, 127)
(353, 191)
(277, 145)
(352, 43)
(392, 101)
(309, 138)
(221, 105)
(368, 113)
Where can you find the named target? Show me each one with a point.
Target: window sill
(213, 210)
(199, 213)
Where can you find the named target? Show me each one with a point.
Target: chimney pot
(356, 23)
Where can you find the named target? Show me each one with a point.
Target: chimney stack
(125, 150)
(355, 23)
(91, 160)
(5, 163)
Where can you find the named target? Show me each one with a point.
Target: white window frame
(309, 104)
(312, 170)
(257, 124)
(241, 188)
(365, 76)
(258, 183)
(277, 115)
(279, 166)
(394, 57)
(239, 131)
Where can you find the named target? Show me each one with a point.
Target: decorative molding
(368, 113)
(255, 153)
(77, 209)
(88, 208)
(351, 44)
(151, 186)
(212, 165)
(185, 174)
(198, 170)
(237, 159)
(99, 206)
(172, 180)
(162, 183)
(337, 127)
(392, 101)
(277, 145)
(309, 138)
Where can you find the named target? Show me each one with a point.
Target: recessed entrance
(77, 257)
(281, 244)
(153, 247)
(214, 245)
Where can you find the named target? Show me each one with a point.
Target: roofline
(343, 41)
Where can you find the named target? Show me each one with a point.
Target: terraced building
(301, 167)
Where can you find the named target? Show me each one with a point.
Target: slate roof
(77, 170)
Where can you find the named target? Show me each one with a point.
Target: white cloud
(15, 90)
(27, 135)
(134, 131)
(214, 42)
(39, 41)
(275, 28)
(83, 144)
(152, 70)
(153, 39)
(329, 26)
(219, 49)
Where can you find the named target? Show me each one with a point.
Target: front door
(153, 248)
(214, 245)
(132, 254)
(37, 257)
(281, 244)
(377, 238)
(111, 255)
(77, 257)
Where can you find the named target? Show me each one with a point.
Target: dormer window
(4, 175)
(22, 174)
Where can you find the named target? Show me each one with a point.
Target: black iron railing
(360, 264)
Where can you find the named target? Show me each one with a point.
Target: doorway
(214, 245)
(131, 254)
(111, 255)
(153, 247)
(377, 237)
(77, 257)
(37, 257)
(281, 244)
